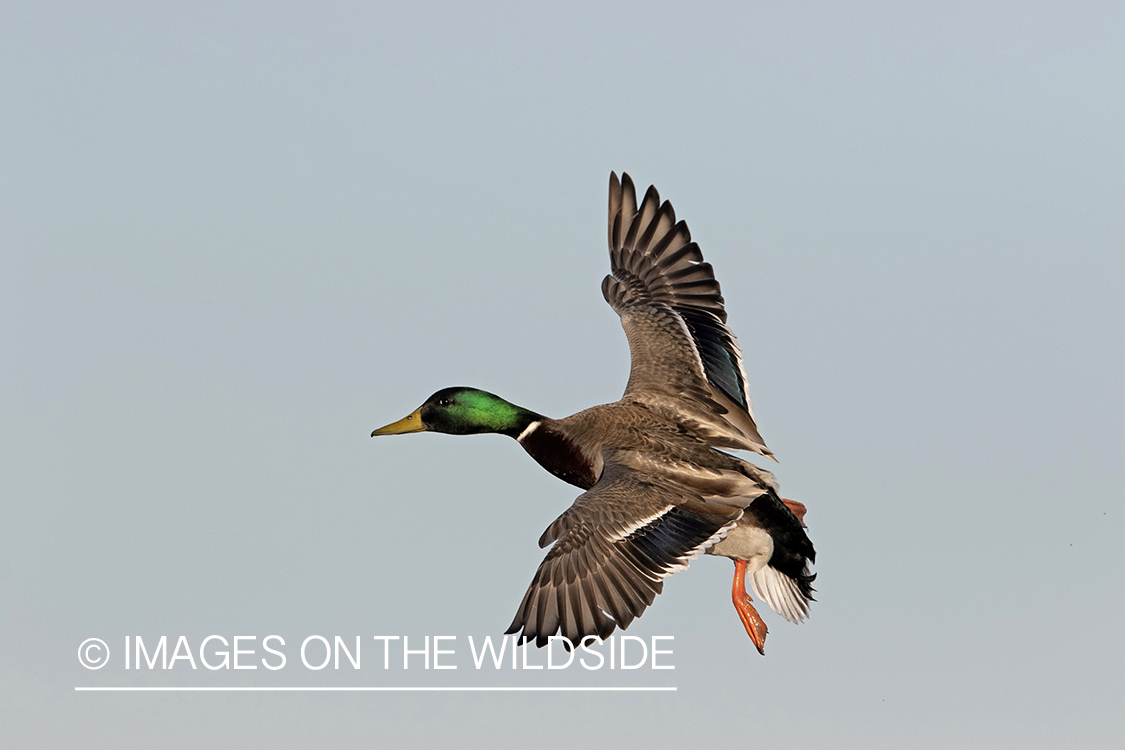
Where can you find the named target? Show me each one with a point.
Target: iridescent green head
(463, 411)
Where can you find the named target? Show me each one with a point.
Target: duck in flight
(659, 488)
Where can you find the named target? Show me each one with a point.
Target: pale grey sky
(234, 238)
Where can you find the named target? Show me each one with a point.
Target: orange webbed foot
(798, 509)
(751, 620)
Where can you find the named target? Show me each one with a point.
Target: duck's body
(576, 448)
(658, 489)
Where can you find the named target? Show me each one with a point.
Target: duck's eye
(444, 402)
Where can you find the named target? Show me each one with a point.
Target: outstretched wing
(612, 550)
(684, 358)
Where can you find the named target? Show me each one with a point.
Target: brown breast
(559, 455)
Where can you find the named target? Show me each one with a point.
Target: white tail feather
(780, 592)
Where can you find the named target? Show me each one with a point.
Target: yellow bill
(411, 423)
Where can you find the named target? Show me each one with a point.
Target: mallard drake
(658, 488)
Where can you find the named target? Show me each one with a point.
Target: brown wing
(684, 358)
(612, 550)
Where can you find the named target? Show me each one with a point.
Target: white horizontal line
(372, 689)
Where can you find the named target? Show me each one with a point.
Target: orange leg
(751, 620)
(798, 509)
